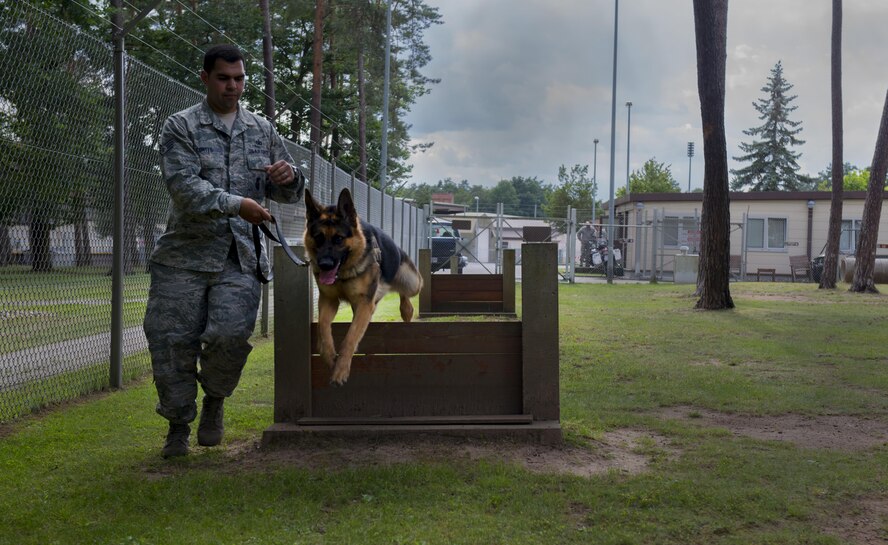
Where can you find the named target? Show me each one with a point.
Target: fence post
(654, 244)
(292, 340)
(509, 281)
(743, 252)
(571, 244)
(116, 357)
(539, 338)
(644, 234)
(499, 238)
(425, 270)
(636, 240)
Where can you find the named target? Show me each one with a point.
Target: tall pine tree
(772, 164)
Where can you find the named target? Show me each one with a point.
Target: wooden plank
(465, 295)
(539, 313)
(432, 337)
(416, 420)
(293, 310)
(509, 280)
(448, 282)
(409, 385)
(491, 313)
(425, 271)
(543, 432)
(469, 307)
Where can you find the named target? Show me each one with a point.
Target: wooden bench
(760, 271)
(801, 264)
(467, 294)
(496, 378)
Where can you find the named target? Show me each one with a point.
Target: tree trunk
(148, 237)
(872, 212)
(711, 26)
(82, 249)
(38, 234)
(317, 64)
(335, 136)
(834, 231)
(362, 117)
(267, 60)
(5, 246)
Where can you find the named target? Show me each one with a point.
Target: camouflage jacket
(208, 172)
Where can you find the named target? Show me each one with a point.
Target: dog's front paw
(341, 370)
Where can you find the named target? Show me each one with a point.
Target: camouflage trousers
(198, 318)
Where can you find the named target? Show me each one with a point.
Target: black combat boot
(176, 441)
(210, 429)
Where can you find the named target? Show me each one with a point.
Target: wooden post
(425, 270)
(292, 339)
(539, 316)
(454, 264)
(509, 281)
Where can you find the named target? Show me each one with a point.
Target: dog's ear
(347, 207)
(312, 208)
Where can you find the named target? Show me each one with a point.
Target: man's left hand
(280, 173)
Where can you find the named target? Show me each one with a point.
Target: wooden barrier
(466, 294)
(489, 379)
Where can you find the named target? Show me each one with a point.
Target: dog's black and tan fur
(356, 262)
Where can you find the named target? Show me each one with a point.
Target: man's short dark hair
(226, 52)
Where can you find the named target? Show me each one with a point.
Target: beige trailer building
(767, 229)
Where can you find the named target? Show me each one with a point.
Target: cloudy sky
(526, 84)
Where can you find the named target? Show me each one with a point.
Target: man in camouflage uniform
(218, 161)
(588, 238)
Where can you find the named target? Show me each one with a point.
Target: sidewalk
(40, 362)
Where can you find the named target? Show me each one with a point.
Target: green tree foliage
(772, 164)
(520, 196)
(575, 189)
(174, 38)
(855, 179)
(54, 128)
(652, 177)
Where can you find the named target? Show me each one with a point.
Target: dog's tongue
(328, 277)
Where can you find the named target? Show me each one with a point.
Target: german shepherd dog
(356, 262)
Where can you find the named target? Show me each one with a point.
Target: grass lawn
(636, 362)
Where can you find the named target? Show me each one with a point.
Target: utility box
(686, 265)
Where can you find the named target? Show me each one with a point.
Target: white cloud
(526, 84)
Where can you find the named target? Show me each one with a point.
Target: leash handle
(257, 243)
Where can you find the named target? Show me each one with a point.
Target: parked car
(445, 241)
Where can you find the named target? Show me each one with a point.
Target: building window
(766, 233)
(848, 240)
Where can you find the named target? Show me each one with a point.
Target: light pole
(690, 156)
(594, 179)
(476, 204)
(383, 159)
(628, 127)
(610, 237)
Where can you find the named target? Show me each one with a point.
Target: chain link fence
(56, 207)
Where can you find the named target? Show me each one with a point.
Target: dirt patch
(834, 432)
(624, 451)
(863, 522)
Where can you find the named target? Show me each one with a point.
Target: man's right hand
(253, 212)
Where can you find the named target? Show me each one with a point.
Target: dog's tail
(407, 281)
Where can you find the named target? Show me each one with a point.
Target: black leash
(257, 243)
